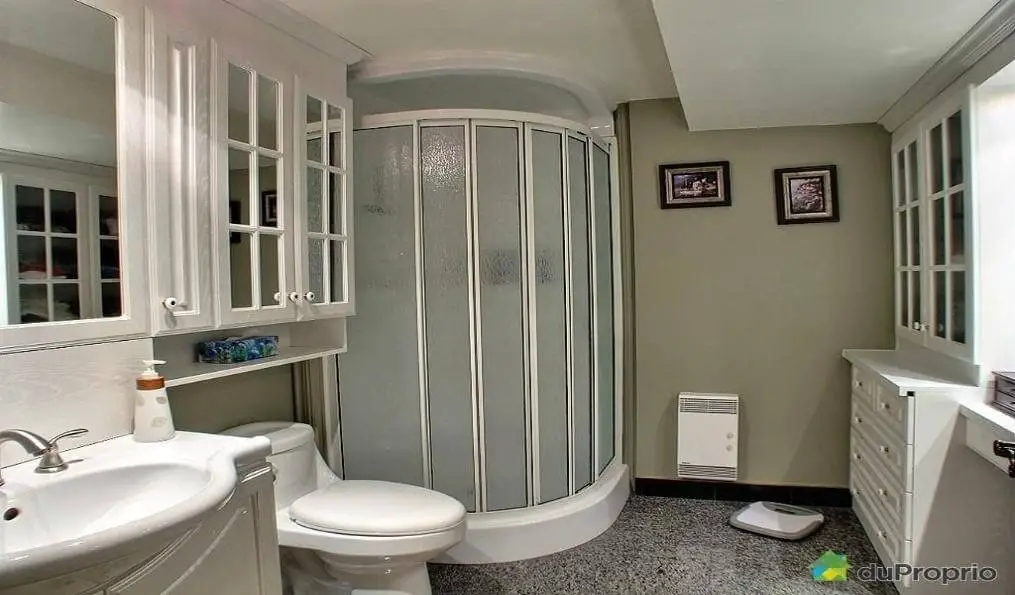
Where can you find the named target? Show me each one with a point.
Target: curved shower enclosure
(484, 340)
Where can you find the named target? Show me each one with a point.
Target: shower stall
(483, 360)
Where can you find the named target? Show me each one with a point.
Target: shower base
(509, 535)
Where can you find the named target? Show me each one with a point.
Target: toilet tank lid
(283, 435)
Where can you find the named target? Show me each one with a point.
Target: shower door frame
(525, 123)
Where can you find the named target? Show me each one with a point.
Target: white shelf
(178, 374)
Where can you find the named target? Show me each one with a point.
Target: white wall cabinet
(933, 233)
(252, 194)
(229, 151)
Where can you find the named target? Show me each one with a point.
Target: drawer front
(888, 537)
(887, 496)
(1004, 385)
(894, 412)
(889, 455)
(863, 386)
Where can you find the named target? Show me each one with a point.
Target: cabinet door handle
(886, 406)
(295, 297)
(309, 296)
(883, 449)
(856, 456)
(170, 303)
(858, 419)
(882, 492)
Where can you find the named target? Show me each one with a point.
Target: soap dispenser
(153, 420)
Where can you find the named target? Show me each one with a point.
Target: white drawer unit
(901, 424)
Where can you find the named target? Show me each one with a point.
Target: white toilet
(351, 537)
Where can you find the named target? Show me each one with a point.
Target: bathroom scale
(781, 521)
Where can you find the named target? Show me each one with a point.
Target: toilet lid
(376, 508)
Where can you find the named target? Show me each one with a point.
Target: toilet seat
(376, 509)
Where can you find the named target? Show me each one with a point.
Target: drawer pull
(886, 406)
(883, 449)
(882, 492)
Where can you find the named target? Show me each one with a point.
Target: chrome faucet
(36, 445)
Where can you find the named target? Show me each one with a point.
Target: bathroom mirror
(61, 213)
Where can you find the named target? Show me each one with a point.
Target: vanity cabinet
(932, 189)
(234, 551)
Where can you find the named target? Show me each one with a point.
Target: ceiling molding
(473, 62)
(984, 36)
(295, 24)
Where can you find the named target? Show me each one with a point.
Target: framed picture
(689, 185)
(807, 194)
(269, 208)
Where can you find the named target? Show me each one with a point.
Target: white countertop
(905, 371)
(986, 414)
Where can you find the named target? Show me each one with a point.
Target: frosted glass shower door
(379, 384)
(603, 253)
(581, 311)
(547, 180)
(447, 283)
(498, 200)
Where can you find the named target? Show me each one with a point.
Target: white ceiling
(615, 44)
(68, 31)
(754, 63)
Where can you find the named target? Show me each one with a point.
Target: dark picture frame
(808, 194)
(693, 185)
(269, 208)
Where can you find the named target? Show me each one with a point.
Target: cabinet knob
(883, 449)
(295, 297)
(278, 297)
(881, 534)
(170, 303)
(886, 406)
(309, 296)
(858, 384)
(858, 419)
(856, 456)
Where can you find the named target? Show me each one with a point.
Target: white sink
(117, 496)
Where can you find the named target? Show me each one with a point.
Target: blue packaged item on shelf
(236, 349)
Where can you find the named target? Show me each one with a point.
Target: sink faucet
(36, 445)
(33, 443)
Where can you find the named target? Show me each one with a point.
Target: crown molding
(295, 24)
(996, 26)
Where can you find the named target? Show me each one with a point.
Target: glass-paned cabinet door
(946, 204)
(325, 226)
(256, 272)
(906, 193)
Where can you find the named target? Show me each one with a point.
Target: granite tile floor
(675, 546)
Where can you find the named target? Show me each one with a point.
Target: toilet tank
(294, 457)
